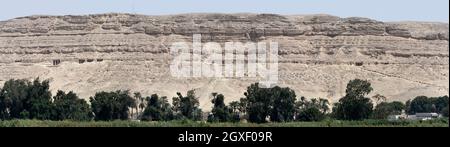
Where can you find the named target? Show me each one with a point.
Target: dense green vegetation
(187, 123)
(157, 109)
(21, 99)
(187, 107)
(25, 103)
(278, 103)
(384, 109)
(422, 104)
(314, 110)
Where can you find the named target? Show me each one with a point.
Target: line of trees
(22, 99)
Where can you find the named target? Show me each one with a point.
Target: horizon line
(230, 13)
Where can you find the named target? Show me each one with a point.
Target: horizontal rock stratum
(318, 54)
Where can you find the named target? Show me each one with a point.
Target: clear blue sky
(385, 10)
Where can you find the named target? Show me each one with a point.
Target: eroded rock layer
(318, 54)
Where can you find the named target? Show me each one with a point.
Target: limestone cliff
(319, 54)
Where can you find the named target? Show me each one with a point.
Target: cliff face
(319, 54)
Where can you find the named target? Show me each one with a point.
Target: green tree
(235, 107)
(423, 104)
(12, 99)
(70, 107)
(166, 109)
(197, 114)
(26, 100)
(243, 106)
(187, 107)
(440, 103)
(445, 112)
(408, 106)
(358, 88)
(39, 104)
(384, 109)
(313, 110)
(158, 109)
(3, 109)
(354, 105)
(283, 106)
(112, 105)
(220, 112)
(420, 104)
(258, 103)
(276, 102)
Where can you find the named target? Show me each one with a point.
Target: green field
(186, 123)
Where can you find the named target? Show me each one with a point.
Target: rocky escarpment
(318, 53)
